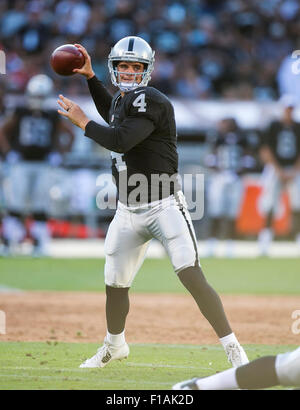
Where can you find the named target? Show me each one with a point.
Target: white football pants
(132, 229)
(224, 195)
(288, 368)
(28, 187)
(272, 190)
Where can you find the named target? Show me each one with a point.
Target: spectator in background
(12, 19)
(121, 22)
(164, 74)
(280, 153)
(288, 77)
(73, 17)
(34, 34)
(237, 47)
(192, 85)
(2, 171)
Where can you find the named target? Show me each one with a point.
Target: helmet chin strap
(124, 86)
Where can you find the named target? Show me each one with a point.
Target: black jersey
(34, 134)
(229, 150)
(284, 142)
(142, 138)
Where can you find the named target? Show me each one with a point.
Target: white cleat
(106, 354)
(236, 354)
(186, 385)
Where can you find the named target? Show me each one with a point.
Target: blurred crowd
(204, 48)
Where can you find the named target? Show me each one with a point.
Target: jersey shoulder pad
(146, 102)
(156, 95)
(151, 94)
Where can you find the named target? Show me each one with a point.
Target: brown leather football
(65, 58)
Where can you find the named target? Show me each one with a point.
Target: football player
(267, 371)
(2, 172)
(225, 187)
(30, 141)
(280, 153)
(142, 138)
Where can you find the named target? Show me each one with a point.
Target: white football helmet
(39, 88)
(131, 49)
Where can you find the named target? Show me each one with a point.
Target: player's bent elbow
(119, 150)
(120, 146)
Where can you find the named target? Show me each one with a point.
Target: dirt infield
(80, 317)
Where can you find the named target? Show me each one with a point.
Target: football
(65, 58)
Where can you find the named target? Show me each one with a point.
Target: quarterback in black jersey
(142, 138)
(280, 153)
(148, 117)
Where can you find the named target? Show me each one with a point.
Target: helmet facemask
(129, 85)
(38, 89)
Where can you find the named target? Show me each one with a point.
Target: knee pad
(116, 273)
(184, 257)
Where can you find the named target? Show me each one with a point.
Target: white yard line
(9, 289)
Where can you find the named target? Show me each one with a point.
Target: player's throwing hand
(86, 70)
(73, 112)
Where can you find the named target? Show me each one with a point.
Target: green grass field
(246, 276)
(54, 365)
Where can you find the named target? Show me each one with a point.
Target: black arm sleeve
(121, 139)
(101, 96)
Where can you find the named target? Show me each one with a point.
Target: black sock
(206, 298)
(269, 220)
(214, 228)
(296, 223)
(258, 374)
(117, 308)
(229, 228)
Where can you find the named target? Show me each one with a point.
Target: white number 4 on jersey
(140, 103)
